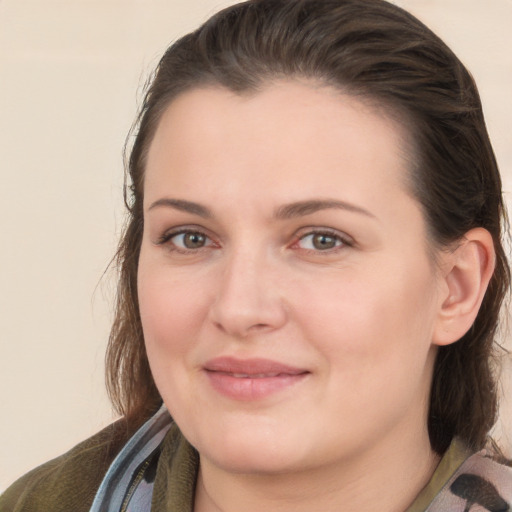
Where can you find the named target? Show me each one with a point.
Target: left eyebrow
(302, 208)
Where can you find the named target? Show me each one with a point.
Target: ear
(466, 272)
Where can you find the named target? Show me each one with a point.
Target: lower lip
(248, 388)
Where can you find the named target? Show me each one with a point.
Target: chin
(253, 461)
(251, 453)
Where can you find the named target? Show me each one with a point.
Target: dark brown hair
(377, 51)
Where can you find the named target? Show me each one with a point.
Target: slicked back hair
(375, 51)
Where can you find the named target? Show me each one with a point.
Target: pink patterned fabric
(479, 485)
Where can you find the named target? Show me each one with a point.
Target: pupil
(194, 240)
(323, 242)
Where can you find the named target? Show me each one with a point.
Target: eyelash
(340, 240)
(167, 237)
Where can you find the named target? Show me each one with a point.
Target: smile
(251, 379)
(256, 376)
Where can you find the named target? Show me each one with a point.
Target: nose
(248, 299)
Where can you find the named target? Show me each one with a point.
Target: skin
(360, 307)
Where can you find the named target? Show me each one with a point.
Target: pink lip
(251, 379)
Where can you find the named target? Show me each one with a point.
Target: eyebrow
(287, 211)
(184, 206)
(302, 208)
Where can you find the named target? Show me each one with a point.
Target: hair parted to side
(379, 52)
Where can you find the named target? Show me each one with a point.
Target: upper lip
(254, 367)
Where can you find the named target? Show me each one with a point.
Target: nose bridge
(248, 297)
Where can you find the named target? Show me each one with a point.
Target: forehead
(304, 132)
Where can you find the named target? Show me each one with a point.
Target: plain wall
(71, 72)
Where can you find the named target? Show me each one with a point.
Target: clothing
(129, 482)
(69, 482)
(169, 470)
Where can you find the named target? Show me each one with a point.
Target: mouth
(251, 379)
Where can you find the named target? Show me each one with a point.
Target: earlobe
(467, 271)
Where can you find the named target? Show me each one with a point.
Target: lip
(251, 379)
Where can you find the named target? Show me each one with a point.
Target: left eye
(190, 240)
(320, 241)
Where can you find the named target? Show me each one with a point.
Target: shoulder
(484, 480)
(70, 481)
(481, 479)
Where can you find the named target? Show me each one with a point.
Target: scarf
(128, 483)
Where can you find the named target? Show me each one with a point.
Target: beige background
(70, 78)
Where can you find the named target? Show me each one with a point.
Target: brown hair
(374, 50)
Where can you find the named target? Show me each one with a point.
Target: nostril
(241, 329)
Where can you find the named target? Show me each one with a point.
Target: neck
(384, 478)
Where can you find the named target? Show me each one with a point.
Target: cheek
(172, 315)
(371, 321)
(172, 312)
(375, 339)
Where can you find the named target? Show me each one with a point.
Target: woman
(311, 278)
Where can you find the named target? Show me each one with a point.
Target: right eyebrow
(182, 205)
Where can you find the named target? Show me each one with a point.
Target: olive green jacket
(69, 482)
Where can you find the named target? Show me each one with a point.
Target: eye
(190, 240)
(321, 241)
(186, 240)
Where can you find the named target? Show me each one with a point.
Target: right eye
(186, 240)
(190, 240)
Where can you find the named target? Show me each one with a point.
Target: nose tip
(248, 302)
(252, 312)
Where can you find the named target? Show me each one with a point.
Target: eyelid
(346, 240)
(166, 237)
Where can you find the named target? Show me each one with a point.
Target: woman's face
(286, 293)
